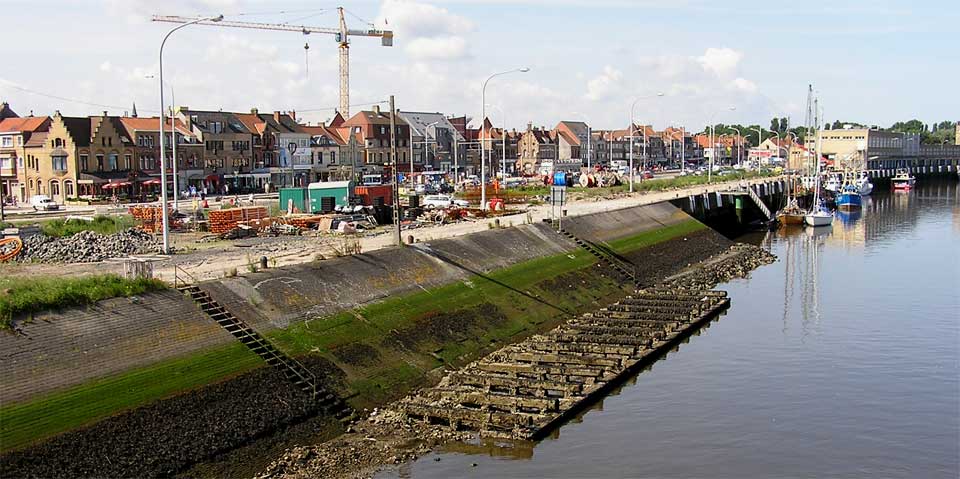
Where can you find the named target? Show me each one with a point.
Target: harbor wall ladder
(293, 370)
(605, 255)
(759, 202)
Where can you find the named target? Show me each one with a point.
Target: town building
(537, 152)
(373, 128)
(337, 155)
(145, 134)
(227, 149)
(868, 148)
(432, 141)
(15, 132)
(6, 112)
(677, 143)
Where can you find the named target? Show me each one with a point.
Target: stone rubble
(87, 247)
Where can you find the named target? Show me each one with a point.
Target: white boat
(864, 184)
(818, 214)
(819, 217)
(903, 180)
(833, 184)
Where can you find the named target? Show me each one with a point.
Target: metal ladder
(293, 370)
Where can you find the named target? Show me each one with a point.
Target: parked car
(43, 203)
(647, 175)
(442, 201)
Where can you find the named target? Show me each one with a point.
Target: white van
(443, 201)
(43, 203)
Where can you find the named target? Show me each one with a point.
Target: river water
(841, 359)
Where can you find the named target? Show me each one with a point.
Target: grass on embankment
(105, 225)
(529, 296)
(23, 295)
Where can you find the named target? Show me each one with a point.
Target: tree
(775, 124)
(837, 125)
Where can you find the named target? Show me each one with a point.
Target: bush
(31, 295)
(104, 225)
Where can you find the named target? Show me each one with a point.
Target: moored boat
(864, 184)
(849, 198)
(833, 183)
(903, 180)
(819, 217)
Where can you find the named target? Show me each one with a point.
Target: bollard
(263, 262)
(496, 223)
(409, 239)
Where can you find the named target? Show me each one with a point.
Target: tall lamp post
(483, 115)
(739, 146)
(632, 129)
(173, 129)
(163, 150)
(424, 145)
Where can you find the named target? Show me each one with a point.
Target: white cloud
(744, 85)
(604, 85)
(722, 62)
(106, 66)
(437, 48)
(426, 31)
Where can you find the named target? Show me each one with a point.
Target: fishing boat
(903, 180)
(791, 214)
(864, 184)
(833, 184)
(849, 198)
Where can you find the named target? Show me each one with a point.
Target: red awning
(116, 185)
(151, 182)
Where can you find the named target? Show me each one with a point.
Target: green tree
(837, 125)
(775, 124)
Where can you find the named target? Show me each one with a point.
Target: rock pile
(86, 247)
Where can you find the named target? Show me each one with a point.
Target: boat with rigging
(864, 184)
(818, 215)
(849, 198)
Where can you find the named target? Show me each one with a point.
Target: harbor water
(842, 359)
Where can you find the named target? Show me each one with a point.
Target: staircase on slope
(292, 370)
(622, 266)
(759, 201)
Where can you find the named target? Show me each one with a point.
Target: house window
(319, 157)
(68, 188)
(383, 130)
(54, 188)
(99, 162)
(59, 163)
(126, 162)
(113, 161)
(6, 141)
(333, 157)
(84, 163)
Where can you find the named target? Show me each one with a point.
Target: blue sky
(874, 62)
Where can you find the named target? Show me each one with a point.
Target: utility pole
(393, 165)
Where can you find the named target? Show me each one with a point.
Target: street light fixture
(483, 115)
(632, 129)
(424, 145)
(163, 151)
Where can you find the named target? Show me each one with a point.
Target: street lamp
(424, 144)
(713, 144)
(173, 129)
(632, 129)
(163, 150)
(483, 115)
(739, 146)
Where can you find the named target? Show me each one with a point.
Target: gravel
(87, 247)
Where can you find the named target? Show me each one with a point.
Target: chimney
(293, 114)
(529, 125)
(254, 111)
(276, 116)
(104, 113)
(376, 109)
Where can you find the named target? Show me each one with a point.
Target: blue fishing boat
(849, 198)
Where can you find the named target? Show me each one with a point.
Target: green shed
(326, 195)
(299, 197)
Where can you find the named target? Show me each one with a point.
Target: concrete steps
(626, 269)
(524, 390)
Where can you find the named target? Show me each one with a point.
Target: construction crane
(341, 34)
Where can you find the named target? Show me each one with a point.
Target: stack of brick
(222, 221)
(149, 218)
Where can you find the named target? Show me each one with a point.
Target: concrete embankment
(378, 324)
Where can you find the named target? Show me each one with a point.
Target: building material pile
(87, 247)
(148, 218)
(222, 221)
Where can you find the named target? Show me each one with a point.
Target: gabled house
(538, 151)
(14, 134)
(432, 139)
(373, 130)
(145, 134)
(335, 152)
(227, 149)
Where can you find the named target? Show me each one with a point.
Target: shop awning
(151, 182)
(119, 184)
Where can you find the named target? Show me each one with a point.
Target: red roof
(132, 124)
(30, 123)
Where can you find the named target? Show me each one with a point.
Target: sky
(874, 62)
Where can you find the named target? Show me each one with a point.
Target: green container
(299, 197)
(326, 195)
